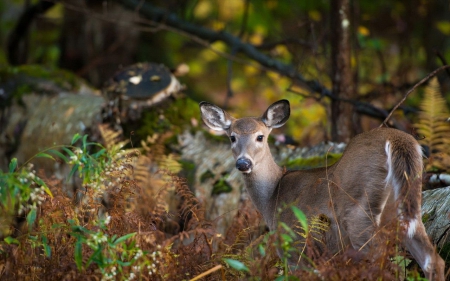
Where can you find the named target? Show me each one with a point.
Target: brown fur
(377, 180)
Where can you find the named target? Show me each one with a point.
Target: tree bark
(17, 53)
(343, 128)
(435, 214)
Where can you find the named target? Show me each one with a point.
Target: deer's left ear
(277, 114)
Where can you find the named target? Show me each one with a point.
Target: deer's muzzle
(244, 165)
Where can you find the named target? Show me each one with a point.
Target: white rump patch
(412, 228)
(426, 264)
(387, 149)
(390, 178)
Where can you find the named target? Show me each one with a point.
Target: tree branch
(21, 29)
(160, 16)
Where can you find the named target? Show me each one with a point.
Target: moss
(206, 175)
(221, 186)
(188, 171)
(426, 217)
(174, 116)
(21, 80)
(444, 252)
(313, 162)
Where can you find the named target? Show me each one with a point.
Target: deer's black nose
(243, 164)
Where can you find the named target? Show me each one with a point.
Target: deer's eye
(233, 138)
(260, 138)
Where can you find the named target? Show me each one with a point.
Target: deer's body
(377, 179)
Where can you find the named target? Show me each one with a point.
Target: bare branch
(199, 33)
(412, 90)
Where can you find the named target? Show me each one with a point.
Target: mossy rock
(172, 116)
(312, 162)
(20, 80)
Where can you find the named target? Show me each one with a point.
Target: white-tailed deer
(377, 179)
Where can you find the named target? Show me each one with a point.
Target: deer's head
(248, 135)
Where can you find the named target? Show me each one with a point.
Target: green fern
(434, 128)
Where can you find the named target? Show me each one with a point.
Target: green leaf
(84, 142)
(99, 153)
(288, 229)
(59, 154)
(75, 138)
(57, 225)
(79, 254)
(10, 240)
(45, 155)
(31, 218)
(237, 265)
(13, 165)
(47, 249)
(70, 152)
(123, 238)
(40, 182)
(301, 217)
(72, 172)
(96, 256)
(124, 263)
(261, 249)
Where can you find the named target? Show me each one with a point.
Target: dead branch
(165, 19)
(432, 74)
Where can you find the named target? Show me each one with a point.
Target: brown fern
(433, 128)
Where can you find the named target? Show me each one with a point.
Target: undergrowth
(133, 218)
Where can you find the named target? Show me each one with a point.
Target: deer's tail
(405, 167)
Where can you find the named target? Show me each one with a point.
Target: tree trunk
(435, 214)
(343, 85)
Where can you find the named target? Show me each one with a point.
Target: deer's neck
(261, 184)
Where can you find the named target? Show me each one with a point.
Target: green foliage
(21, 193)
(28, 77)
(174, 118)
(221, 186)
(236, 265)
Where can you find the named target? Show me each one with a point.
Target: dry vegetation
(127, 225)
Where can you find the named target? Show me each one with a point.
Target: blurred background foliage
(395, 43)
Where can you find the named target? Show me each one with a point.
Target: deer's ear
(277, 114)
(215, 117)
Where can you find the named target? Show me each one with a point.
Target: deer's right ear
(214, 117)
(277, 114)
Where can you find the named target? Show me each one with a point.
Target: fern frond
(433, 125)
(109, 136)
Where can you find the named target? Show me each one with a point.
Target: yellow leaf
(315, 15)
(444, 27)
(363, 30)
(202, 9)
(218, 25)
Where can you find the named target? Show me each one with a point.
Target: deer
(377, 179)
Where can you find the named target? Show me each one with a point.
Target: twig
(412, 90)
(443, 60)
(206, 273)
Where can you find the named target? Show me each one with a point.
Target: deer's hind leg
(364, 217)
(417, 242)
